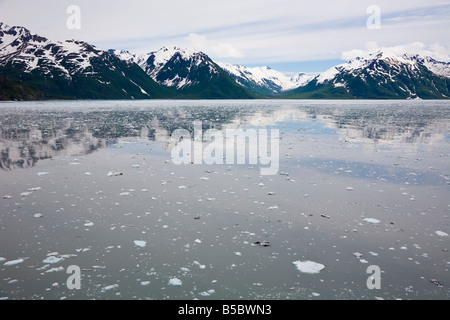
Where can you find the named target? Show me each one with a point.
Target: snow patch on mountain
(266, 77)
(19, 46)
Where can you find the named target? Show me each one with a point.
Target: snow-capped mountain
(191, 72)
(265, 80)
(382, 75)
(70, 69)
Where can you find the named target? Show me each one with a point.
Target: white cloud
(435, 50)
(218, 49)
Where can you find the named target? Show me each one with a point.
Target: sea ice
(59, 269)
(89, 224)
(309, 267)
(53, 260)
(441, 234)
(139, 243)
(13, 262)
(175, 282)
(107, 288)
(372, 220)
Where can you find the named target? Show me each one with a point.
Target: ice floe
(53, 260)
(441, 234)
(372, 221)
(140, 244)
(175, 282)
(309, 267)
(13, 262)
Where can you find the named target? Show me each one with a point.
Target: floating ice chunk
(273, 208)
(309, 267)
(13, 262)
(207, 293)
(198, 241)
(183, 269)
(201, 266)
(107, 288)
(89, 224)
(35, 189)
(373, 254)
(175, 282)
(40, 174)
(204, 178)
(363, 261)
(441, 234)
(82, 250)
(2, 259)
(124, 194)
(372, 220)
(59, 269)
(38, 215)
(238, 253)
(24, 194)
(182, 187)
(315, 294)
(114, 174)
(3, 298)
(53, 260)
(357, 255)
(145, 283)
(139, 243)
(6, 196)
(88, 173)
(135, 166)
(350, 189)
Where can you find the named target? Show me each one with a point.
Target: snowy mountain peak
(175, 67)
(267, 79)
(396, 62)
(19, 46)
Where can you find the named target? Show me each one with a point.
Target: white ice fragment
(53, 260)
(182, 187)
(372, 220)
(2, 259)
(38, 215)
(139, 243)
(145, 283)
(350, 189)
(107, 288)
(124, 194)
(207, 293)
(6, 196)
(363, 261)
(273, 208)
(13, 262)
(441, 234)
(40, 174)
(238, 253)
(183, 269)
(175, 282)
(315, 294)
(135, 166)
(89, 224)
(59, 269)
(357, 255)
(309, 267)
(24, 194)
(198, 241)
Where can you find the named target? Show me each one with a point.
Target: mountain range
(33, 67)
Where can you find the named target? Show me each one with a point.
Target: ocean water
(92, 184)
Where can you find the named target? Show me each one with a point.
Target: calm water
(92, 184)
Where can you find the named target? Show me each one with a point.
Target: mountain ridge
(33, 67)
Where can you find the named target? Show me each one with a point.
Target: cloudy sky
(288, 35)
